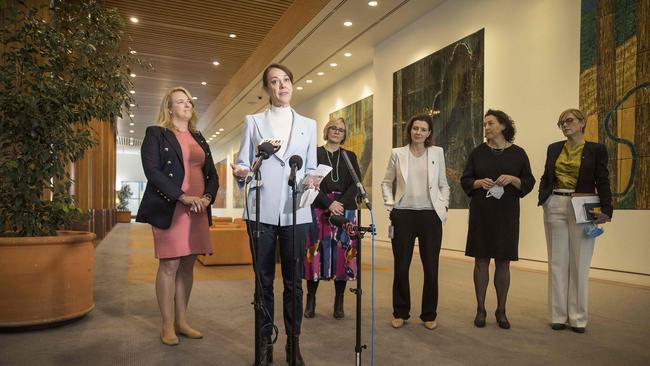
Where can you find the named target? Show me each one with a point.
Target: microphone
(264, 150)
(355, 178)
(295, 162)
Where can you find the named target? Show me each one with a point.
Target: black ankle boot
(266, 352)
(310, 306)
(287, 348)
(338, 307)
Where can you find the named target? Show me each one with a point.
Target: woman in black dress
(497, 175)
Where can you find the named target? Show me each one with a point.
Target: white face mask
(496, 191)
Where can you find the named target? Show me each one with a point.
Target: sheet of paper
(322, 170)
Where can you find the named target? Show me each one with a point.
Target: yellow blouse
(567, 166)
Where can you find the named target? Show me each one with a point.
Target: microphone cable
(274, 331)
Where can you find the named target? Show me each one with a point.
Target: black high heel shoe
(501, 319)
(479, 320)
(299, 360)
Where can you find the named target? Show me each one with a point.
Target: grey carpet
(123, 328)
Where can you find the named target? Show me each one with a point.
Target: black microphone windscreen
(338, 221)
(266, 148)
(296, 160)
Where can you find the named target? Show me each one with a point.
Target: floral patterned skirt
(331, 253)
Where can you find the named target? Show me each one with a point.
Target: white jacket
(436, 177)
(275, 193)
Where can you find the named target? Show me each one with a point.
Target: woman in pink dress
(181, 185)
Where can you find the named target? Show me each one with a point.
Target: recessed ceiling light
(131, 105)
(134, 20)
(218, 133)
(133, 52)
(132, 91)
(215, 63)
(232, 35)
(204, 83)
(320, 73)
(131, 115)
(372, 3)
(132, 75)
(334, 64)
(299, 88)
(221, 129)
(347, 23)
(347, 54)
(131, 131)
(131, 124)
(195, 98)
(308, 81)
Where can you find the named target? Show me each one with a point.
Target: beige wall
(531, 72)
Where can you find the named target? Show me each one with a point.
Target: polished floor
(123, 328)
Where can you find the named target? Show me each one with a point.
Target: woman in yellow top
(572, 166)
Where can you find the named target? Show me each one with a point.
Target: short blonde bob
(333, 123)
(165, 114)
(577, 114)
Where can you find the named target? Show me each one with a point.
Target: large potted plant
(61, 67)
(123, 196)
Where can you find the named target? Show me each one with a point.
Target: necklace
(497, 150)
(332, 165)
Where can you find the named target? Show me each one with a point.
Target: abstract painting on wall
(358, 120)
(222, 170)
(237, 193)
(447, 85)
(615, 92)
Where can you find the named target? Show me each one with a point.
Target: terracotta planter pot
(124, 216)
(46, 279)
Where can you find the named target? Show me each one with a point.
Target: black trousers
(270, 235)
(425, 225)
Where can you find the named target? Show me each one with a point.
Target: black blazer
(162, 160)
(593, 176)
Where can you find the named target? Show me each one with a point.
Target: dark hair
(420, 117)
(504, 120)
(265, 75)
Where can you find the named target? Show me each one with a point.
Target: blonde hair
(165, 116)
(577, 114)
(332, 123)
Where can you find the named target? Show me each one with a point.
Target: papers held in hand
(585, 207)
(309, 194)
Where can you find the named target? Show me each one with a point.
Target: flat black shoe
(558, 326)
(502, 320)
(479, 320)
(578, 329)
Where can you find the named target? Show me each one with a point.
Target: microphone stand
(361, 198)
(258, 301)
(294, 264)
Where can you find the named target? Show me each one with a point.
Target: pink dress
(189, 232)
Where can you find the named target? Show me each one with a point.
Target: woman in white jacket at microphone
(298, 137)
(418, 208)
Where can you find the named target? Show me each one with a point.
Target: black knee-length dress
(494, 223)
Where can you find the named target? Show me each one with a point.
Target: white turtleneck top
(281, 119)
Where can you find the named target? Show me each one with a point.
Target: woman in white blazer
(298, 137)
(418, 208)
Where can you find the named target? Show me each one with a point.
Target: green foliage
(123, 196)
(56, 76)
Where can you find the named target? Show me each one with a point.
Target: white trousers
(569, 259)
